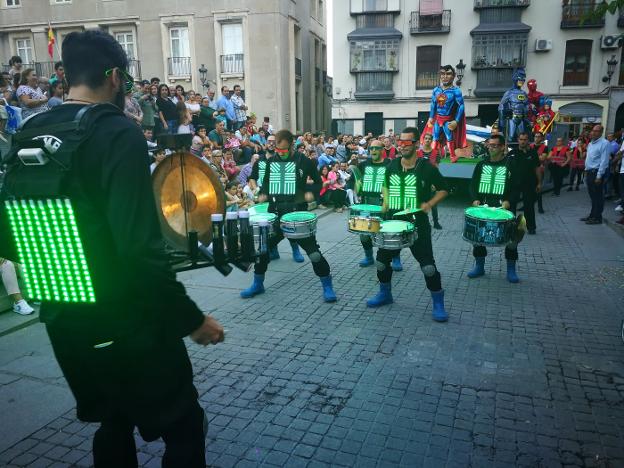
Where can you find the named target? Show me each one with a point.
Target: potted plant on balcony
(392, 61)
(355, 61)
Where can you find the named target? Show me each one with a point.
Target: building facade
(275, 49)
(395, 48)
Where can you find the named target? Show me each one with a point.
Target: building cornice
(69, 23)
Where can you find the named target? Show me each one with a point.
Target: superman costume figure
(447, 119)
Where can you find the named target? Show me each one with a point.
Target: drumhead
(298, 216)
(396, 226)
(493, 214)
(256, 218)
(369, 208)
(407, 212)
(259, 208)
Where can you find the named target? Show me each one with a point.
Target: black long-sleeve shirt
(116, 216)
(494, 188)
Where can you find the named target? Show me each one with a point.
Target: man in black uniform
(493, 190)
(368, 187)
(285, 186)
(257, 175)
(408, 186)
(123, 356)
(526, 177)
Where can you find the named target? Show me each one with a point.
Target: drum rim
(262, 217)
(377, 208)
(507, 213)
(410, 226)
(312, 217)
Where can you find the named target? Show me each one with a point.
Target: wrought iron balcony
(179, 67)
(493, 82)
(297, 68)
(232, 64)
(375, 85)
(579, 15)
(428, 24)
(478, 4)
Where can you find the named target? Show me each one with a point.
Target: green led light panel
(493, 180)
(50, 250)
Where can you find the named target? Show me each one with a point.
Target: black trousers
(311, 247)
(528, 196)
(367, 244)
(596, 194)
(558, 174)
(511, 251)
(113, 442)
(576, 173)
(422, 250)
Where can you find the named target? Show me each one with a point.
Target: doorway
(373, 123)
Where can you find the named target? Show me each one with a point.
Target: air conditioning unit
(610, 42)
(543, 45)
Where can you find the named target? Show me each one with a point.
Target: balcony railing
(297, 68)
(500, 3)
(492, 82)
(427, 80)
(232, 64)
(375, 85)
(579, 15)
(179, 66)
(44, 69)
(423, 24)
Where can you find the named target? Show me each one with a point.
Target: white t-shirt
(194, 108)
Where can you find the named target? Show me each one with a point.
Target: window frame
(31, 54)
(435, 78)
(575, 81)
(495, 47)
(384, 51)
(60, 2)
(14, 5)
(123, 44)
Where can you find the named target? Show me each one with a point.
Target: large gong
(187, 192)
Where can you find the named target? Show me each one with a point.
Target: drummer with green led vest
(255, 180)
(368, 187)
(285, 187)
(407, 186)
(491, 185)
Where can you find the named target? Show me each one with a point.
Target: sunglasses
(375, 148)
(128, 79)
(406, 142)
(281, 151)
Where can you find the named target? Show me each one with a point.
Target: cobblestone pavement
(528, 375)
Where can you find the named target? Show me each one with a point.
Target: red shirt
(558, 156)
(390, 154)
(578, 159)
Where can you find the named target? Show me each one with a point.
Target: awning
(515, 27)
(374, 33)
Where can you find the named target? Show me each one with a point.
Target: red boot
(450, 145)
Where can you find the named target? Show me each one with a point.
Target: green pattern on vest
(403, 192)
(373, 179)
(493, 180)
(282, 178)
(261, 172)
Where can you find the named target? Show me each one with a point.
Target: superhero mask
(519, 77)
(532, 85)
(283, 153)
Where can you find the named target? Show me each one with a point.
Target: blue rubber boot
(257, 287)
(478, 269)
(439, 313)
(274, 253)
(383, 297)
(512, 276)
(328, 289)
(297, 257)
(396, 263)
(368, 259)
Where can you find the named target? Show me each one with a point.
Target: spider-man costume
(536, 100)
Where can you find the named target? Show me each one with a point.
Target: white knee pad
(429, 270)
(380, 266)
(512, 245)
(315, 257)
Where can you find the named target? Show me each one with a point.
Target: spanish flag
(51, 41)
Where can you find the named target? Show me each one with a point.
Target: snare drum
(298, 225)
(364, 219)
(259, 208)
(254, 221)
(395, 235)
(488, 226)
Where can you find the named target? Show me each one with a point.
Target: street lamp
(460, 67)
(611, 63)
(203, 75)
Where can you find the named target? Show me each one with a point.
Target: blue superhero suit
(448, 105)
(515, 107)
